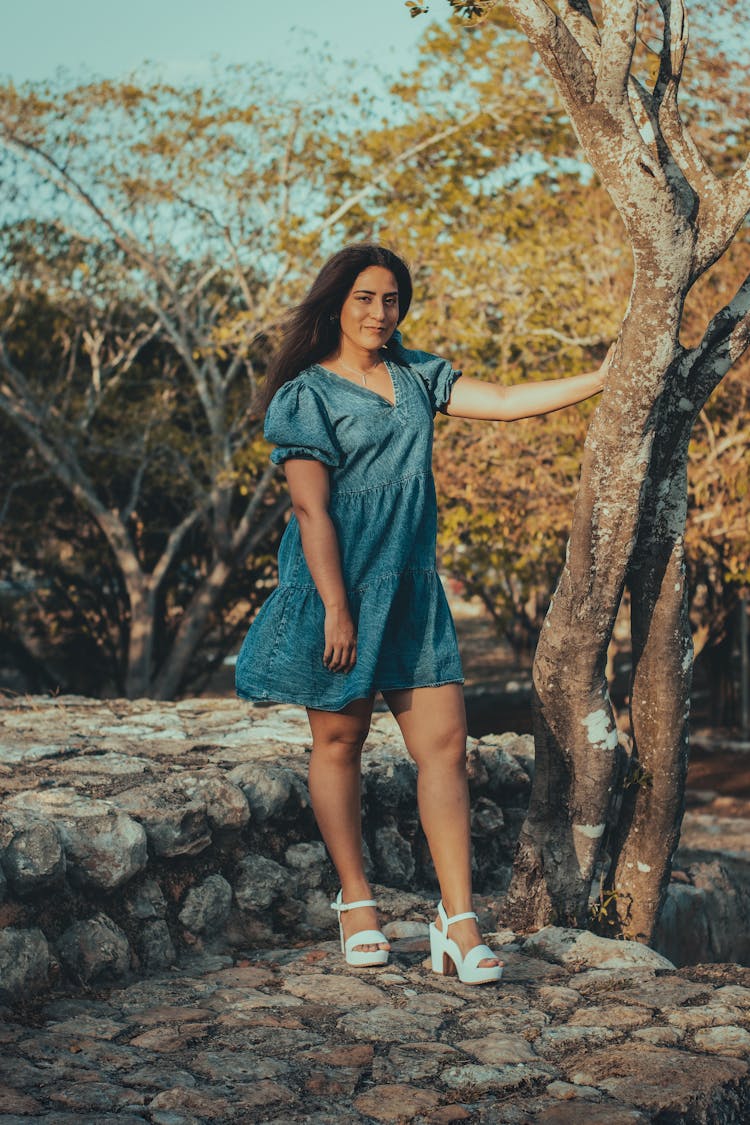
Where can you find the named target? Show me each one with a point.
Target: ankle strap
(340, 906)
(460, 917)
(456, 917)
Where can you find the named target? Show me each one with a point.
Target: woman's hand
(340, 654)
(604, 369)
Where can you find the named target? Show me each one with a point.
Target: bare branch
(673, 47)
(171, 547)
(577, 341)
(245, 524)
(618, 38)
(561, 52)
(18, 403)
(583, 27)
(382, 181)
(724, 341)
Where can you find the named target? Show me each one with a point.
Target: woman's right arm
(309, 485)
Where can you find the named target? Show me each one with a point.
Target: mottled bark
(646, 835)
(629, 515)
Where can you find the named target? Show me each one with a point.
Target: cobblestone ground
(291, 1036)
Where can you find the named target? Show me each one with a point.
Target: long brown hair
(311, 329)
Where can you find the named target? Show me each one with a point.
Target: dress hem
(256, 698)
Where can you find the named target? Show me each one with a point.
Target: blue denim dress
(384, 511)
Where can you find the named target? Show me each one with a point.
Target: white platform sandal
(360, 958)
(468, 967)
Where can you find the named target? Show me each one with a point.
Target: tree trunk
(141, 626)
(576, 738)
(193, 626)
(647, 833)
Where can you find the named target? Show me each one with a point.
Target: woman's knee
(340, 745)
(446, 749)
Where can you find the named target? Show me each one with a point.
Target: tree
(621, 94)
(166, 227)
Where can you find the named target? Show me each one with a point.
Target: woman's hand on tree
(340, 653)
(603, 371)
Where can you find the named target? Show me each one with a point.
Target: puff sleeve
(436, 373)
(298, 424)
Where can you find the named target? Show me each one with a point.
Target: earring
(333, 318)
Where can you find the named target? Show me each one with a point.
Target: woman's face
(370, 312)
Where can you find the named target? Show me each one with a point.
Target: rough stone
(704, 1015)
(95, 951)
(393, 855)
(660, 1036)
(24, 963)
(396, 1102)
(207, 906)
(486, 818)
(582, 949)
(33, 857)
(334, 990)
(555, 1040)
(473, 1078)
(567, 1091)
(724, 1040)
(273, 792)
(654, 1078)
(258, 882)
(227, 809)
(154, 946)
(414, 1062)
(385, 1024)
(507, 770)
(146, 901)
(499, 1049)
(398, 930)
(618, 1016)
(583, 1113)
(175, 824)
(204, 1104)
(310, 860)
(104, 847)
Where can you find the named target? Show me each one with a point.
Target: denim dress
(383, 507)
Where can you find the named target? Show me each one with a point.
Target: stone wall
(135, 832)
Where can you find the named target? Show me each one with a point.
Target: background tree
(165, 228)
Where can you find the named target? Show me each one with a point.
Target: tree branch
(583, 27)
(561, 52)
(724, 341)
(246, 522)
(618, 38)
(382, 181)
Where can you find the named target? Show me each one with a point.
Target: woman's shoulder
(436, 373)
(303, 387)
(409, 357)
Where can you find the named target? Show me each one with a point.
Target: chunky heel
(437, 950)
(443, 949)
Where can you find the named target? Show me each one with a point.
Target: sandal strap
(477, 954)
(460, 917)
(342, 906)
(365, 937)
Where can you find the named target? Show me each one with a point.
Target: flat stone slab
(292, 1036)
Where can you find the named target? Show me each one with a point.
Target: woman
(359, 607)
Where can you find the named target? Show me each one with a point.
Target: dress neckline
(367, 390)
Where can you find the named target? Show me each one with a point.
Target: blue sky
(96, 38)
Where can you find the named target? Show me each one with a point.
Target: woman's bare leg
(335, 768)
(433, 723)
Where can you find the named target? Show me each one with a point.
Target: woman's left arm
(473, 398)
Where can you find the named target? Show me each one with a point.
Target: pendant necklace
(362, 374)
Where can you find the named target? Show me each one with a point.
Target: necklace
(361, 374)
